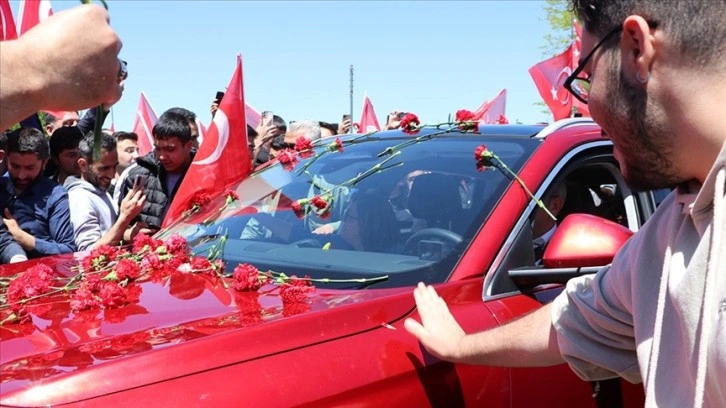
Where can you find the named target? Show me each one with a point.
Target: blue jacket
(42, 211)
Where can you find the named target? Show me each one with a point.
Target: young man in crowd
(127, 148)
(653, 74)
(161, 171)
(57, 120)
(96, 219)
(64, 154)
(35, 208)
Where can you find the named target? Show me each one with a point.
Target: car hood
(191, 318)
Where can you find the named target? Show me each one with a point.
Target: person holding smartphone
(94, 217)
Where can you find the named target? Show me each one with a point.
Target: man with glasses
(654, 77)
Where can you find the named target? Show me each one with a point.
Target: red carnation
(176, 245)
(464, 115)
(319, 202)
(302, 144)
(483, 157)
(199, 200)
(231, 196)
(466, 121)
(84, 298)
(248, 278)
(502, 120)
(409, 124)
(36, 281)
(127, 269)
(288, 158)
(201, 264)
(296, 290)
(298, 209)
(336, 145)
(142, 240)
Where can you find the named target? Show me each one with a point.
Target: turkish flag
(492, 111)
(224, 157)
(549, 77)
(143, 124)
(31, 13)
(7, 22)
(368, 119)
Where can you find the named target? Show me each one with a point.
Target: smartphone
(218, 97)
(140, 182)
(267, 118)
(346, 116)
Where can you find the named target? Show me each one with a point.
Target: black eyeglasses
(578, 86)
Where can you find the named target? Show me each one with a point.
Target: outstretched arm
(530, 341)
(67, 62)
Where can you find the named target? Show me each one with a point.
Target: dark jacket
(43, 212)
(158, 198)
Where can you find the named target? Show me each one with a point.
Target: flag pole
(351, 100)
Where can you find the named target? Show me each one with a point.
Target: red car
(367, 218)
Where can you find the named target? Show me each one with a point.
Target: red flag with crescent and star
(549, 76)
(224, 157)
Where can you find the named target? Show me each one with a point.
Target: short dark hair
(28, 140)
(279, 123)
(172, 124)
(49, 118)
(696, 27)
(189, 115)
(66, 137)
(119, 136)
(85, 148)
(332, 127)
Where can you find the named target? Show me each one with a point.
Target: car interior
(594, 186)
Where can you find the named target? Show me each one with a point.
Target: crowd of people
(651, 73)
(58, 199)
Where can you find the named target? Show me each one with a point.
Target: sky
(426, 57)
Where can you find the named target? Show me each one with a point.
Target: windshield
(410, 218)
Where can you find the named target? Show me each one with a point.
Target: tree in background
(560, 20)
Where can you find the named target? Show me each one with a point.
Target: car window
(593, 185)
(409, 216)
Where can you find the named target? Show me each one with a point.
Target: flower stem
(540, 204)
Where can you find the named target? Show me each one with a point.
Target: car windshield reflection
(410, 218)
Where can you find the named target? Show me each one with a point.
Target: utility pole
(351, 100)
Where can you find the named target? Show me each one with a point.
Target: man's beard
(641, 132)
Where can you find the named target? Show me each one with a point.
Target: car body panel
(193, 342)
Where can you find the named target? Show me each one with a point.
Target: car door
(595, 186)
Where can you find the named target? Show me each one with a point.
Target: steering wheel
(437, 234)
(307, 243)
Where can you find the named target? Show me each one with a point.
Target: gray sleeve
(594, 324)
(86, 225)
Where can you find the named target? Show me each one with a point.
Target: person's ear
(82, 164)
(2, 155)
(637, 48)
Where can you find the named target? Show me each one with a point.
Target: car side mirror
(581, 245)
(583, 240)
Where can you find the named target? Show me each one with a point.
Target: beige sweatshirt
(658, 313)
